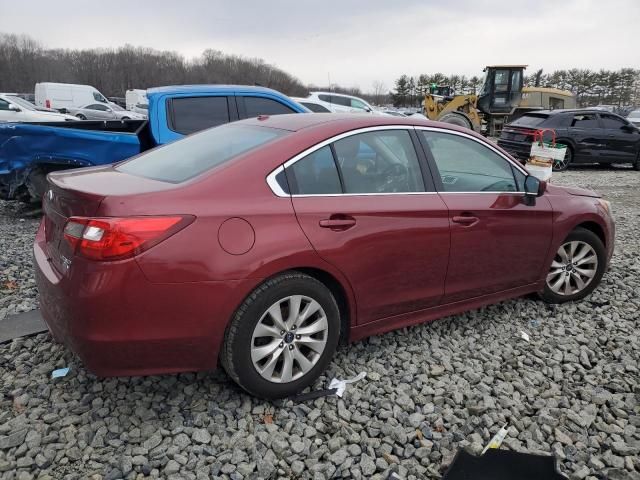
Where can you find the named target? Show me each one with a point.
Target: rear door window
(379, 162)
(585, 120)
(196, 154)
(314, 107)
(192, 114)
(315, 174)
(255, 106)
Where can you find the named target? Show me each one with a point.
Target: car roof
(209, 88)
(568, 110)
(335, 93)
(344, 121)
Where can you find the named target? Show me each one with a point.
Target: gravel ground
(572, 390)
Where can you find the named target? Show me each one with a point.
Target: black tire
(586, 236)
(81, 116)
(456, 119)
(235, 355)
(636, 164)
(568, 158)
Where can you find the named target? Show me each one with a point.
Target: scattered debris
(9, 285)
(524, 335)
(534, 323)
(341, 385)
(497, 439)
(60, 372)
(267, 418)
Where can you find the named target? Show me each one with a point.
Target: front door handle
(466, 220)
(338, 223)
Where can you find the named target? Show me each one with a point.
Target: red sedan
(265, 242)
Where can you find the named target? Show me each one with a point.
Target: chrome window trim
(278, 191)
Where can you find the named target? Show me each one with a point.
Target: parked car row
(591, 136)
(17, 109)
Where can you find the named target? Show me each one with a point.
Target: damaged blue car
(29, 151)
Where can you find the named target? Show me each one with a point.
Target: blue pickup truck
(29, 151)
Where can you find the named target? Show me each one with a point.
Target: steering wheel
(499, 186)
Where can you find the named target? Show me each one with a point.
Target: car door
(375, 218)
(94, 112)
(497, 242)
(620, 140)
(587, 135)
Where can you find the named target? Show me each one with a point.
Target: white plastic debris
(341, 385)
(524, 335)
(497, 439)
(60, 372)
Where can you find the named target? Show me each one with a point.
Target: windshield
(143, 106)
(197, 153)
(529, 120)
(22, 102)
(116, 107)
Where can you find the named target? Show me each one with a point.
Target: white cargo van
(66, 95)
(136, 98)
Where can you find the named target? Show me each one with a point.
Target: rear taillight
(47, 103)
(116, 238)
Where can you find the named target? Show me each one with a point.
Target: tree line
(24, 62)
(603, 87)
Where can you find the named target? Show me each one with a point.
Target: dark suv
(592, 136)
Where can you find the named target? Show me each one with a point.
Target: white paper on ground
(524, 335)
(341, 385)
(61, 372)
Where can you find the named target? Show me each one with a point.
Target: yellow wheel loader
(501, 99)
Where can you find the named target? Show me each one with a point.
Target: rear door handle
(339, 223)
(465, 220)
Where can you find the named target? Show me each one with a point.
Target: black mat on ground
(503, 465)
(21, 325)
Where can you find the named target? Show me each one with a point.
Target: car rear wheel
(282, 337)
(81, 116)
(562, 165)
(636, 164)
(576, 269)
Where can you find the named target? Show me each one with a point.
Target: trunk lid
(79, 193)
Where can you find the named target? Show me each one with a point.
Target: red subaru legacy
(263, 243)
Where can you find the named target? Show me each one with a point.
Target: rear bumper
(119, 323)
(519, 150)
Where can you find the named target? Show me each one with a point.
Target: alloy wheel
(289, 339)
(573, 268)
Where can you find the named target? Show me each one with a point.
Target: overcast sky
(353, 42)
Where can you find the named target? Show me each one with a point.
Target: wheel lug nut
(281, 332)
(290, 347)
(298, 337)
(281, 344)
(294, 327)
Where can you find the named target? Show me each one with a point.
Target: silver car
(634, 117)
(101, 111)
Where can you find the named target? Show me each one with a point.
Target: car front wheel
(282, 337)
(562, 165)
(576, 269)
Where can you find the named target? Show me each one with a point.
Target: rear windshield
(197, 153)
(530, 120)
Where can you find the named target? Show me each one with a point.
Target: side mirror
(629, 128)
(533, 187)
(367, 109)
(14, 108)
